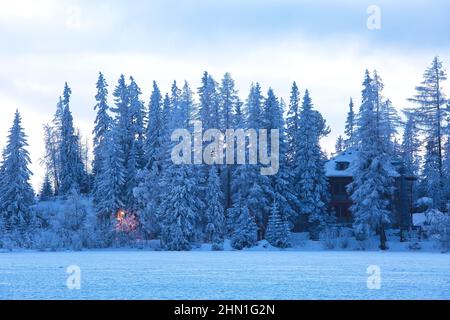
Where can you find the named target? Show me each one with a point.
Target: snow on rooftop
(349, 156)
(345, 163)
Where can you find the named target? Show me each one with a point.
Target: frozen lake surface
(224, 275)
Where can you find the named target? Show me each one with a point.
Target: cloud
(26, 9)
(323, 46)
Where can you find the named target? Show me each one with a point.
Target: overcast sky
(323, 45)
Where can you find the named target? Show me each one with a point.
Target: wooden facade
(339, 171)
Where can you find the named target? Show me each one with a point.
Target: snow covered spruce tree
(16, 193)
(340, 145)
(109, 188)
(122, 134)
(372, 185)
(431, 185)
(310, 182)
(230, 114)
(102, 128)
(292, 124)
(239, 180)
(410, 149)
(215, 213)
(72, 168)
(279, 187)
(179, 211)
(209, 106)
(147, 193)
(137, 119)
(446, 163)
(431, 111)
(52, 141)
(390, 121)
(209, 115)
(350, 126)
(102, 125)
(108, 168)
(248, 185)
(411, 145)
(153, 140)
(134, 158)
(46, 192)
(277, 233)
(244, 233)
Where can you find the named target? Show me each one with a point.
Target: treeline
(139, 194)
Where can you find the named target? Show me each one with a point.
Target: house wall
(340, 201)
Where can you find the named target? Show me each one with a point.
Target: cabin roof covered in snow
(345, 163)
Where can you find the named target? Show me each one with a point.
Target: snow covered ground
(292, 274)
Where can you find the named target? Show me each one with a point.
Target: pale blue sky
(323, 45)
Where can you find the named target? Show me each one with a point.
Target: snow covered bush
(63, 224)
(7, 242)
(217, 246)
(46, 234)
(245, 234)
(344, 237)
(439, 228)
(72, 221)
(277, 233)
(423, 204)
(329, 238)
(414, 240)
(47, 239)
(333, 237)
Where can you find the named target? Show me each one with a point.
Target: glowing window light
(120, 215)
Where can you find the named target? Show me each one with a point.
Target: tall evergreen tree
(215, 213)
(372, 186)
(277, 229)
(248, 185)
(179, 211)
(390, 121)
(137, 119)
(154, 128)
(446, 164)
(46, 192)
(280, 188)
(16, 193)
(123, 137)
(230, 113)
(147, 193)
(340, 145)
(166, 114)
(431, 180)
(52, 140)
(309, 173)
(244, 234)
(293, 124)
(72, 167)
(431, 111)
(111, 180)
(102, 123)
(350, 126)
(411, 145)
(102, 127)
(209, 107)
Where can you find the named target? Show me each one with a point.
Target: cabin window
(341, 166)
(339, 188)
(342, 213)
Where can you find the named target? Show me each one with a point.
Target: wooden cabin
(339, 171)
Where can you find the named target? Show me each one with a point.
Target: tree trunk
(383, 239)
